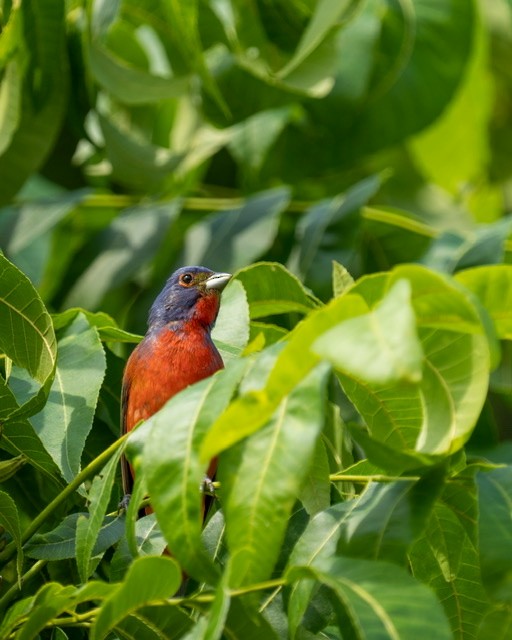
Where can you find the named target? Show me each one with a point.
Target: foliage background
(140, 135)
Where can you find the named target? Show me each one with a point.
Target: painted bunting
(177, 349)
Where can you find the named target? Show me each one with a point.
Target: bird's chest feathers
(178, 358)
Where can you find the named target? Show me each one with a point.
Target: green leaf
(387, 518)
(493, 287)
(44, 91)
(464, 125)
(495, 531)
(78, 378)
(228, 240)
(445, 559)
(271, 290)
(254, 137)
(211, 626)
(373, 599)
(148, 579)
(497, 624)
(87, 529)
(27, 337)
(171, 465)
(128, 84)
(315, 492)
(106, 326)
(50, 601)
(455, 369)
(15, 614)
(149, 541)
(276, 459)
(154, 623)
(380, 347)
(59, 544)
(19, 438)
(9, 520)
(329, 230)
(247, 623)
(415, 43)
(327, 15)
(341, 279)
(231, 331)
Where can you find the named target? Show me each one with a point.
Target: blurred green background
(140, 135)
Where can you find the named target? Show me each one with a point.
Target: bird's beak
(217, 281)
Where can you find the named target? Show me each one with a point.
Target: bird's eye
(186, 279)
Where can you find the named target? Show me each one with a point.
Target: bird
(176, 351)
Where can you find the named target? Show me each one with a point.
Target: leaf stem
(98, 200)
(209, 597)
(89, 470)
(13, 590)
(342, 477)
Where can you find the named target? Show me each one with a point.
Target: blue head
(191, 293)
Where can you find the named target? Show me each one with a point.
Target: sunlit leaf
(271, 290)
(231, 331)
(381, 346)
(493, 287)
(277, 459)
(148, 579)
(78, 378)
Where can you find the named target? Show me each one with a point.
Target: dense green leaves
(360, 152)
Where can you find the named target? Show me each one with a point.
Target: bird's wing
(126, 471)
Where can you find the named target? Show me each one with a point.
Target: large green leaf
(129, 84)
(19, 438)
(66, 420)
(493, 287)
(277, 460)
(495, 531)
(271, 290)
(381, 346)
(373, 600)
(445, 559)
(231, 331)
(27, 338)
(455, 369)
(44, 92)
(464, 125)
